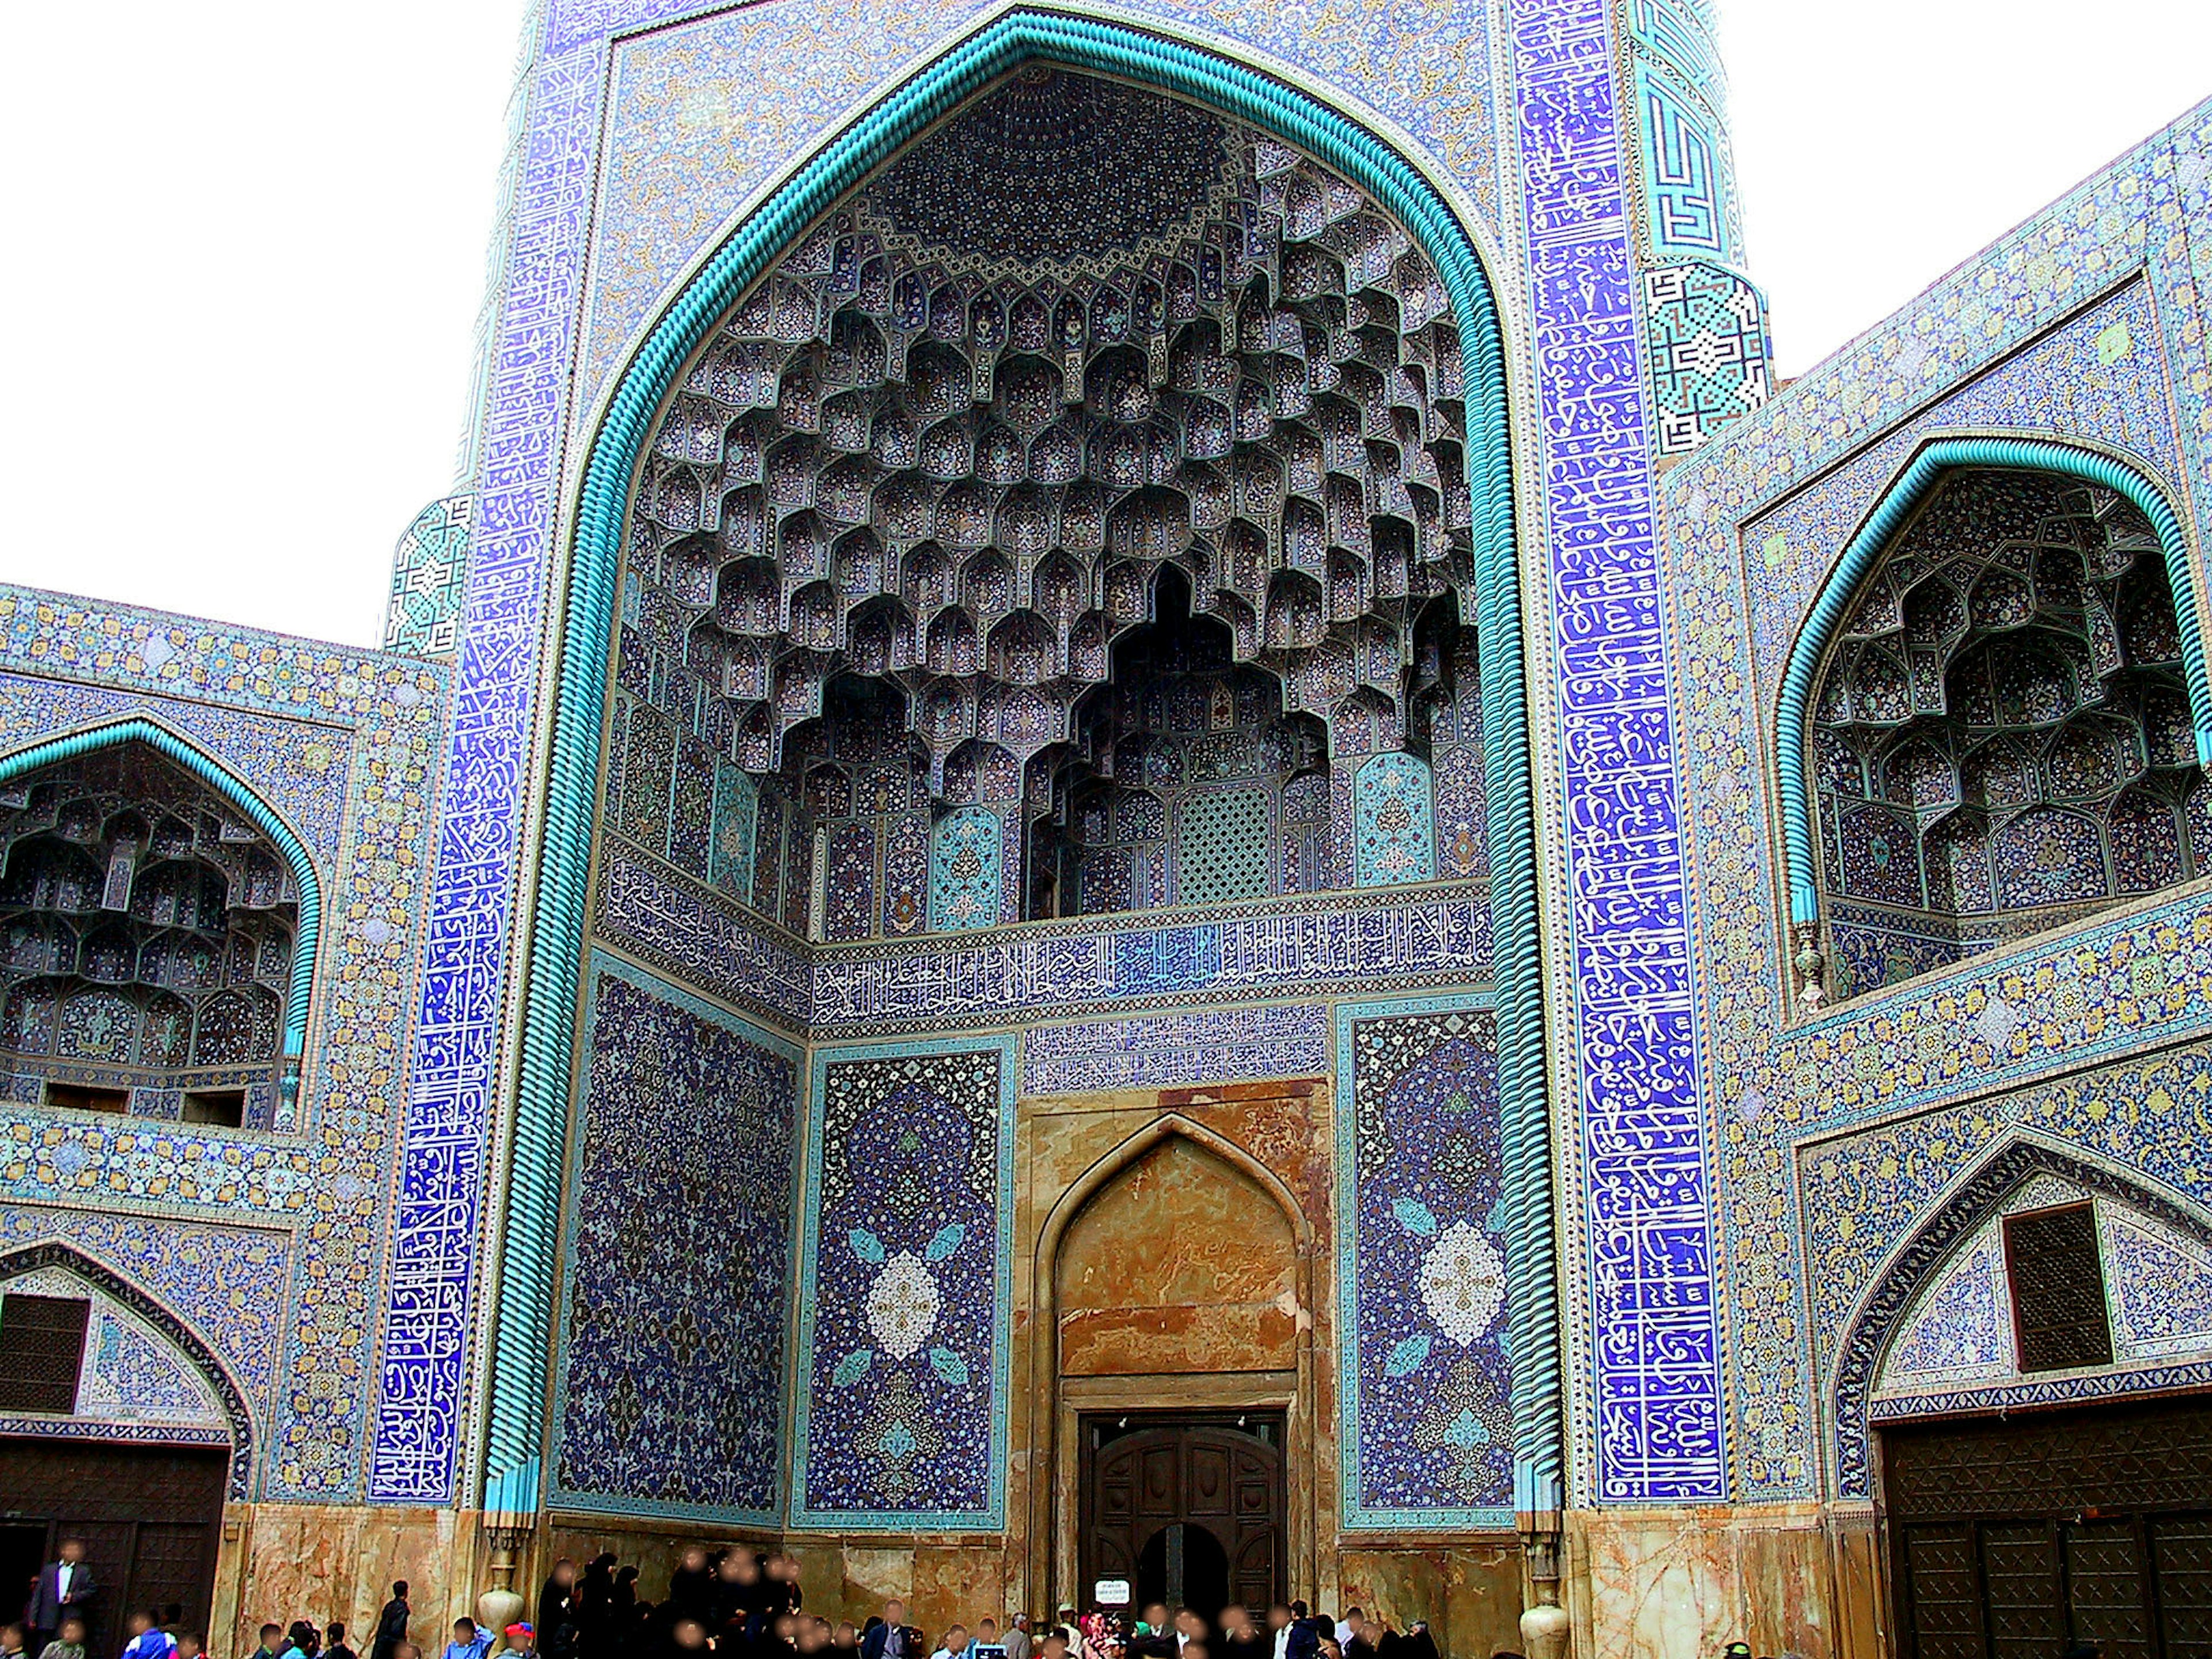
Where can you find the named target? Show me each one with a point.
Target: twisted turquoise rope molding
(1793, 733)
(235, 790)
(515, 1426)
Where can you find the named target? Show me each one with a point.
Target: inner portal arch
(1486, 582)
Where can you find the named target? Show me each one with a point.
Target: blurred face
(690, 1635)
(72, 1550)
(894, 1612)
(694, 1559)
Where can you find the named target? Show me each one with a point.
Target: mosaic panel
(1169, 1050)
(2160, 1285)
(965, 852)
(1655, 1434)
(702, 116)
(429, 569)
(342, 742)
(905, 875)
(903, 1344)
(1961, 1330)
(848, 908)
(1393, 821)
(131, 1376)
(1427, 1382)
(677, 1280)
(1705, 341)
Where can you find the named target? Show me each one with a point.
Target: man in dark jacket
(65, 1585)
(894, 1638)
(391, 1623)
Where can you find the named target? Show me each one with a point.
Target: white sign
(1111, 1592)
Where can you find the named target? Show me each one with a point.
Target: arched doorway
(1180, 1285)
(1187, 1510)
(125, 1431)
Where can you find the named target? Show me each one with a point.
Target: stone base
(279, 1562)
(1683, 1584)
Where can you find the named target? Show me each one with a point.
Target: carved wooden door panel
(2010, 1537)
(149, 1515)
(1185, 1509)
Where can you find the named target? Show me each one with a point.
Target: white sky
(237, 313)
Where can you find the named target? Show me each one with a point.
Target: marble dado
(1804, 1579)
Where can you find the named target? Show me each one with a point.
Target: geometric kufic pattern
(1428, 1376)
(1653, 1344)
(905, 1335)
(677, 1273)
(1686, 195)
(2003, 734)
(429, 571)
(1707, 339)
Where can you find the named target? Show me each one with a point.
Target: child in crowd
(468, 1642)
(68, 1640)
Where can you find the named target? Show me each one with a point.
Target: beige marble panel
(1180, 1263)
(284, 1561)
(1678, 1584)
(1469, 1594)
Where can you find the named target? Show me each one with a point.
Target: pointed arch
(55, 1253)
(239, 793)
(1022, 35)
(1128, 1154)
(1919, 1261)
(1832, 604)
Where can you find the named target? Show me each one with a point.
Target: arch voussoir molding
(239, 793)
(516, 1406)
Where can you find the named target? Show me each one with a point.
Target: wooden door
(2013, 1536)
(151, 1518)
(1188, 1507)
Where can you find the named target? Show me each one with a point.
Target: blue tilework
(342, 742)
(1426, 1389)
(902, 1370)
(1169, 1050)
(704, 115)
(1652, 1342)
(2051, 333)
(422, 1376)
(676, 1285)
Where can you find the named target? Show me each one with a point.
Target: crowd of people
(737, 1603)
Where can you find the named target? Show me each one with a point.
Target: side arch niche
(2005, 716)
(157, 932)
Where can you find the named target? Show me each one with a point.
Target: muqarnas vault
(1145, 790)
